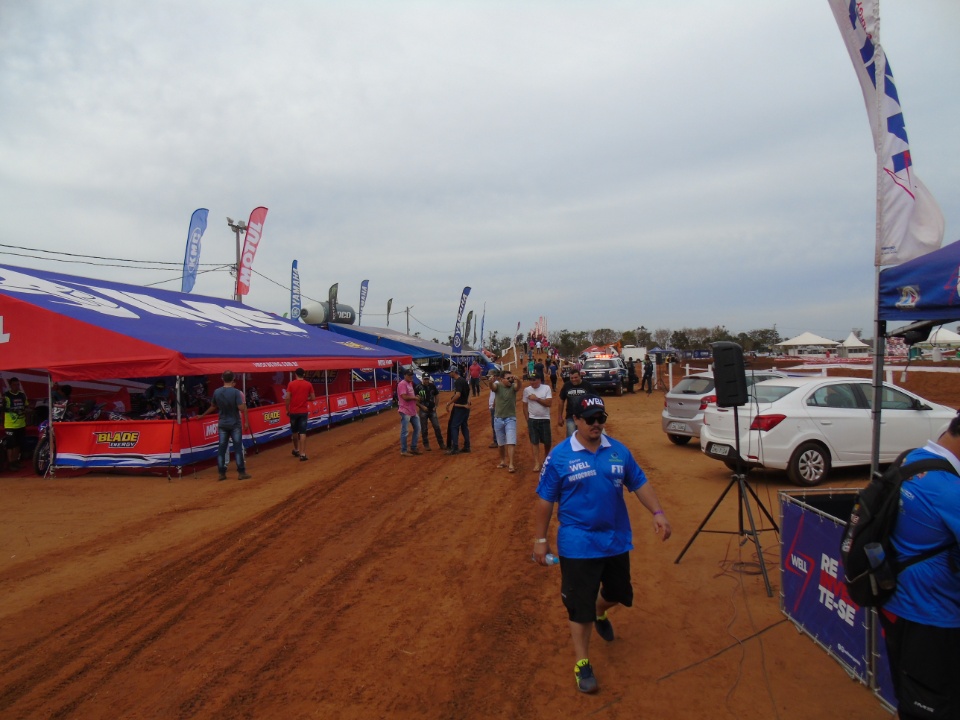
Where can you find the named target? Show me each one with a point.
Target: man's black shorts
(925, 666)
(298, 423)
(583, 578)
(539, 431)
(15, 437)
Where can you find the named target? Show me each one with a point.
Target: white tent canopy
(808, 338)
(941, 337)
(853, 341)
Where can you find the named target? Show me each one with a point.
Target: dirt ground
(365, 585)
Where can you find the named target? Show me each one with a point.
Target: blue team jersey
(588, 488)
(929, 592)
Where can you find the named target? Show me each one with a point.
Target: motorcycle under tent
(79, 329)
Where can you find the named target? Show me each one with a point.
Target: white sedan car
(808, 425)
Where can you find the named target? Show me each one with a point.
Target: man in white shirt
(537, 399)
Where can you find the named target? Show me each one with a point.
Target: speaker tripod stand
(743, 489)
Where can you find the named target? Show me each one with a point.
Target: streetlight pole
(237, 227)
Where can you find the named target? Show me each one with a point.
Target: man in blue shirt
(921, 621)
(586, 474)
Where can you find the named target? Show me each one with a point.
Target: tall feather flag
(332, 303)
(909, 221)
(295, 293)
(457, 337)
(191, 257)
(466, 333)
(516, 335)
(389, 305)
(364, 287)
(250, 244)
(482, 319)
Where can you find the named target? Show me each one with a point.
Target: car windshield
(693, 386)
(770, 393)
(594, 364)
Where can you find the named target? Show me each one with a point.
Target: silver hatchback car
(684, 404)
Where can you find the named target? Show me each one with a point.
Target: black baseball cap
(589, 405)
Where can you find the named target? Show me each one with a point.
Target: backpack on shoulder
(870, 562)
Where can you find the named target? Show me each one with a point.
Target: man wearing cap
(460, 413)
(537, 398)
(409, 413)
(14, 421)
(427, 395)
(586, 474)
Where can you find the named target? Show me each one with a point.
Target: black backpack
(870, 562)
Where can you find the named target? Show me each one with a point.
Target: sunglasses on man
(601, 418)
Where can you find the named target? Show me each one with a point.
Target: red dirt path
(365, 585)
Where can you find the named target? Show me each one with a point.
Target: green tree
(604, 336)
(680, 340)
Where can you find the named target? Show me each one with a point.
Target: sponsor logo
(272, 417)
(118, 438)
(210, 430)
(193, 257)
(341, 402)
(909, 297)
(249, 252)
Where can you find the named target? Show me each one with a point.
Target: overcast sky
(602, 164)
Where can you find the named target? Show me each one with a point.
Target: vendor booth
(431, 357)
(78, 329)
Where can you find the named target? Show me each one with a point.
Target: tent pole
(326, 392)
(879, 349)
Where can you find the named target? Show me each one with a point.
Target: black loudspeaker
(729, 374)
(659, 357)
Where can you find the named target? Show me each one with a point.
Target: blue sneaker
(586, 680)
(604, 628)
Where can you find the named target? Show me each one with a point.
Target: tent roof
(417, 348)
(83, 329)
(941, 336)
(853, 341)
(807, 338)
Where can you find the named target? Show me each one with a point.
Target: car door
(840, 414)
(902, 426)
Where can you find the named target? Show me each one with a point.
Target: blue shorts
(505, 430)
(298, 423)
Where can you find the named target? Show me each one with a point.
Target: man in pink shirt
(475, 372)
(299, 393)
(407, 400)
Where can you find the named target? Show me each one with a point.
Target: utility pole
(408, 318)
(237, 227)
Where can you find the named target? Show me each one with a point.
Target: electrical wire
(91, 257)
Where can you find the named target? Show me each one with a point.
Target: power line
(92, 257)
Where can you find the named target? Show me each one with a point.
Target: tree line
(569, 343)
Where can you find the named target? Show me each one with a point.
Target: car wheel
(679, 439)
(619, 390)
(809, 465)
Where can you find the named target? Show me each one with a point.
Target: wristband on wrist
(658, 512)
(540, 541)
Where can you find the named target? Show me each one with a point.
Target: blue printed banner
(191, 258)
(294, 293)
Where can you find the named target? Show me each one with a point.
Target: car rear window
(693, 386)
(594, 364)
(770, 393)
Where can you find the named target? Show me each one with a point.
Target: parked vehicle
(807, 426)
(685, 402)
(607, 373)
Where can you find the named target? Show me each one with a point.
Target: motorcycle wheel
(41, 456)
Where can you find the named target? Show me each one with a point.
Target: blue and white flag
(482, 319)
(364, 287)
(191, 258)
(909, 221)
(295, 293)
(457, 336)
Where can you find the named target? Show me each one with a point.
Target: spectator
(507, 388)
(574, 388)
(299, 393)
(229, 402)
(647, 375)
(427, 395)
(409, 413)
(475, 372)
(553, 375)
(537, 399)
(15, 406)
(459, 415)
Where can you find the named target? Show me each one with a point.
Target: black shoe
(295, 453)
(465, 450)
(303, 458)
(243, 476)
(453, 451)
(221, 477)
(604, 628)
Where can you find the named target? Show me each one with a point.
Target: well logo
(118, 438)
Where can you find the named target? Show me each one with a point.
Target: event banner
(250, 244)
(332, 303)
(814, 595)
(909, 219)
(118, 444)
(364, 288)
(191, 256)
(389, 305)
(294, 293)
(457, 336)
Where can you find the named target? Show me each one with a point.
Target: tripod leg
(745, 505)
(706, 519)
(762, 507)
